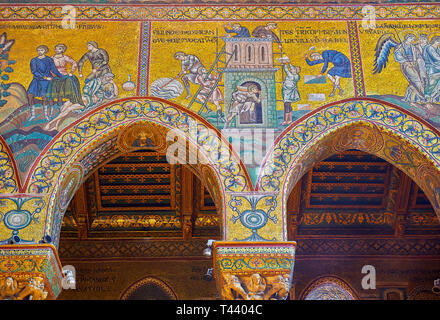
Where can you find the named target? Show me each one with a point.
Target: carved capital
(254, 270)
(22, 287)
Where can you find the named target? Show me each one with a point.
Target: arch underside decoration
(8, 177)
(128, 125)
(367, 125)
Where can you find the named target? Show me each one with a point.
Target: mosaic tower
(252, 63)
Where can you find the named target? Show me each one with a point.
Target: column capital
(246, 270)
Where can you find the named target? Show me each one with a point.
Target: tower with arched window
(252, 64)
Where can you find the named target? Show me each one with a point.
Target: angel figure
(407, 54)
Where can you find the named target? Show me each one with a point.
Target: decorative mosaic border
(358, 76)
(254, 256)
(416, 247)
(219, 12)
(130, 249)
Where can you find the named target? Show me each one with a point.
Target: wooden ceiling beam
(402, 204)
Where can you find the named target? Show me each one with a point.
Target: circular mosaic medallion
(17, 219)
(254, 219)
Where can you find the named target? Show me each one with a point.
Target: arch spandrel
(9, 181)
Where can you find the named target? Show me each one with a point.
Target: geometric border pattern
(73, 250)
(144, 59)
(358, 77)
(227, 12)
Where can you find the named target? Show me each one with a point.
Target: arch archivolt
(125, 126)
(371, 126)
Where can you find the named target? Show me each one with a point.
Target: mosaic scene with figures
(219, 150)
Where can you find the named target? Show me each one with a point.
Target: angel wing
(383, 48)
(5, 44)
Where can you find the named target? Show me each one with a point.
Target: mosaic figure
(243, 100)
(68, 86)
(99, 60)
(9, 289)
(190, 64)
(341, 66)
(431, 56)
(415, 64)
(266, 32)
(208, 82)
(95, 93)
(290, 88)
(238, 30)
